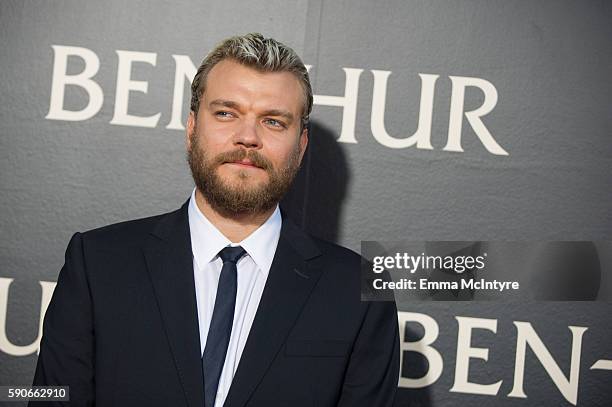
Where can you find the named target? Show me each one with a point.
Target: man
(223, 302)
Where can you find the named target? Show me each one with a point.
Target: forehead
(230, 80)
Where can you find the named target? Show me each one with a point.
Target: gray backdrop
(536, 166)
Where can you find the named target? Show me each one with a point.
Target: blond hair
(255, 51)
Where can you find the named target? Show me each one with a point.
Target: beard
(240, 196)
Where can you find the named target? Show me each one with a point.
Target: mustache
(240, 154)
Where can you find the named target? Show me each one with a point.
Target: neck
(235, 227)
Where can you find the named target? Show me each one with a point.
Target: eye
(224, 114)
(275, 123)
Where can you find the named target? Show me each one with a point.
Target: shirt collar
(207, 241)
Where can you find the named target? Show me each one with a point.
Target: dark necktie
(221, 323)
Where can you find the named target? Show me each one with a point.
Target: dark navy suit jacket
(122, 326)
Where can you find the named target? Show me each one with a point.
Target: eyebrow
(270, 112)
(225, 103)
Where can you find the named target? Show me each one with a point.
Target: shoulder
(335, 252)
(340, 267)
(311, 247)
(127, 233)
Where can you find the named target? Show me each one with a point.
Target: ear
(303, 142)
(190, 129)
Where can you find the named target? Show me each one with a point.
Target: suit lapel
(170, 264)
(288, 286)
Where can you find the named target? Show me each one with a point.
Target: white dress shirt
(253, 268)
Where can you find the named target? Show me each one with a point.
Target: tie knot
(231, 254)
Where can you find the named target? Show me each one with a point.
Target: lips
(244, 159)
(245, 162)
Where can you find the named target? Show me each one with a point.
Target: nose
(247, 135)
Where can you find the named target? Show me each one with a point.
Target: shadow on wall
(315, 200)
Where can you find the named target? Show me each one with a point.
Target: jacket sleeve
(66, 355)
(373, 371)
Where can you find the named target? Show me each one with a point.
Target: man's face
(244, 148)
